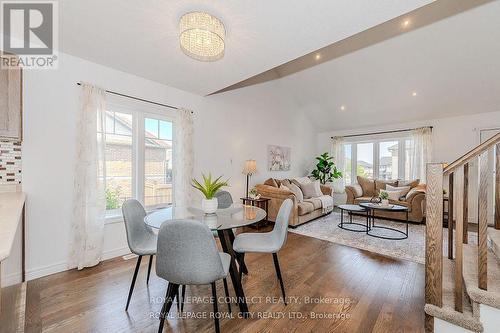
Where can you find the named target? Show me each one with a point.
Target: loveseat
(367, 188)
(302, 212)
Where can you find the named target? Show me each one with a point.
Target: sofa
(302, 212)
(367, 188)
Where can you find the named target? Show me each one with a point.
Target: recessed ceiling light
(414, 93)
(317, 56)
(406, 23)
(342, 107)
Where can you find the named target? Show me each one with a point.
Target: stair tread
(491, 296)
(465, 319)
(494, 237)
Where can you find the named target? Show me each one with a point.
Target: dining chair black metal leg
(183, 294)
(228, 299)
(216, 309)
(172, 290)
(239, 259)
(149, 268)
(178, 296)
(278, 273)
(133, 281)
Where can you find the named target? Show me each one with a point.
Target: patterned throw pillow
(271, 182)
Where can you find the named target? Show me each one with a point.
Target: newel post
(434, 238)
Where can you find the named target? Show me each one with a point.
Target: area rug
(412, 248)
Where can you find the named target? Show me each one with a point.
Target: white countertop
(11, 208)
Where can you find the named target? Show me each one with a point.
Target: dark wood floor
(379, 295)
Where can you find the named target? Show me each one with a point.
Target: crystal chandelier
(202, 36)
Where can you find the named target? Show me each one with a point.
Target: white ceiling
(141, 37)
(453, 65)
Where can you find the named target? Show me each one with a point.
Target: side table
(261, 203)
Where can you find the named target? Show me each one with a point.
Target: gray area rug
(412, 248)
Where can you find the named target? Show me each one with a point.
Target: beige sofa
(366, 189)
(302, 212)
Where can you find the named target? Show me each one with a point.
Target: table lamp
(249, 169)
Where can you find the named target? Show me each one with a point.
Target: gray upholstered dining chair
(268, 242)
(187, 255)
(224, 199)
(140, 237)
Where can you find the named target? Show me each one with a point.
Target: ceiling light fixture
(202, 36)
(414, 93)
(318, 56)
(342, 107)
(406, 23)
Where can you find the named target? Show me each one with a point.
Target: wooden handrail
(472, 153)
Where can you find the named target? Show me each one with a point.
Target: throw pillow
(297, 191)
(393, 195)
(381, 185)
(358, 190)
(283, 187)
(311, 190)
(404, 189)
(368, 186)
(303, 180)
(271, 182)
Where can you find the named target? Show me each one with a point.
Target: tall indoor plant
(325, 171)
(209, 187)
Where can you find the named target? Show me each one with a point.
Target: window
(388, 160)
(119, 161)
(157, 162)
(364, 161)
(138, 158)
(378, 158)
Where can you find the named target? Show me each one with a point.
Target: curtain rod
(138, 99)
(385, 132)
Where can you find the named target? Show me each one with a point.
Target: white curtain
(421, 154)
(338, 154)
(89, 194)
(183, 158)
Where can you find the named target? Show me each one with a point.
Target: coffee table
(370, 220)
(358, 227)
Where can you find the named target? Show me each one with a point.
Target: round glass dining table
(235, 216)
(223, 221)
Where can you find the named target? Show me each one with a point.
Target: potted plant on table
(209, 187)
(384, 197)
(325, 171)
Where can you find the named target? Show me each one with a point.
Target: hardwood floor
(367, 293)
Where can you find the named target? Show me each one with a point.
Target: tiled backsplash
(10, 162)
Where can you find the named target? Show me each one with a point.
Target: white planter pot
(385, 202)
(209, 206)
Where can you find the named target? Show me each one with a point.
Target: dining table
(223, 221)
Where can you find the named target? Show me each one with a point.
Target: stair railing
(458, 198)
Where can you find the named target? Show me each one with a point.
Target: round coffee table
(370, 220)
(352, 226)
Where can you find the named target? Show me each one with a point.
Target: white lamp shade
(250, 167)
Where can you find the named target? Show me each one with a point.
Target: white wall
(229, 129)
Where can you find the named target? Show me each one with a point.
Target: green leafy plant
(113, 198)
(209, 186)
(383, 195)
(325, 171)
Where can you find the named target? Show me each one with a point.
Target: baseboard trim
(39, 272)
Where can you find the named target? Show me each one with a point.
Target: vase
(209, 206)
(385, 202)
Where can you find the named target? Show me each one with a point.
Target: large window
(138, 158)
(380, 159)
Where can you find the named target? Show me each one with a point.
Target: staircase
(462, 286)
